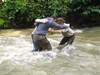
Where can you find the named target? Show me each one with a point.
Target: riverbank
(16, 32)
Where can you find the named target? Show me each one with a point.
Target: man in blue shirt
(40, 41)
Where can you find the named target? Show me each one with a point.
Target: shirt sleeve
(56, 25)
(68, 29)
(41, 20)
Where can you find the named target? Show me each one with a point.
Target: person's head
(60, 20)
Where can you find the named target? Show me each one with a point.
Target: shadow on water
(16, 57)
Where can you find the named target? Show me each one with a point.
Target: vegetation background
(21, 13)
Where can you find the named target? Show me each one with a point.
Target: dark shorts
(67, 40)
(41, 43)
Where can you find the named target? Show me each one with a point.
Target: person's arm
(41, 20)
(37, 21)
(55, 30)
(56, 25)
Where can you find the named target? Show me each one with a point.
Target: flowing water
(16, 57)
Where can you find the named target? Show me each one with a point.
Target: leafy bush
(4, 24)
(84, 12)
(18, 13)
(21, 13)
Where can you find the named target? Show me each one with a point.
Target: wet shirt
(68, 32)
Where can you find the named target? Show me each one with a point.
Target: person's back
(42, 28)
(68, 37)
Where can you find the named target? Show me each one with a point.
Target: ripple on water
(21, 61)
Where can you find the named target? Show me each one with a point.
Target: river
(16, 57)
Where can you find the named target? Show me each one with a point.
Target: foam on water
(24, 57)
(78, 31)
(68, 51)
(89, 45)
(20, 51)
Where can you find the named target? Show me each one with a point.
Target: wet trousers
(67, 40)
(40, 43)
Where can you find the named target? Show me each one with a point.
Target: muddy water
(16, 57)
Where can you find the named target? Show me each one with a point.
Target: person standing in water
(39, 39)
(68, 37)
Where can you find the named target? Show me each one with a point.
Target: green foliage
(21, 13)
(17, 13)
(59, 7)
(3, 24)
(85, 12)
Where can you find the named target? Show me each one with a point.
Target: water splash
(84, 61)
(19, 52)
(78, 31)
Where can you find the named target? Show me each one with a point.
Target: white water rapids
(16, 57)
(18, 50)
